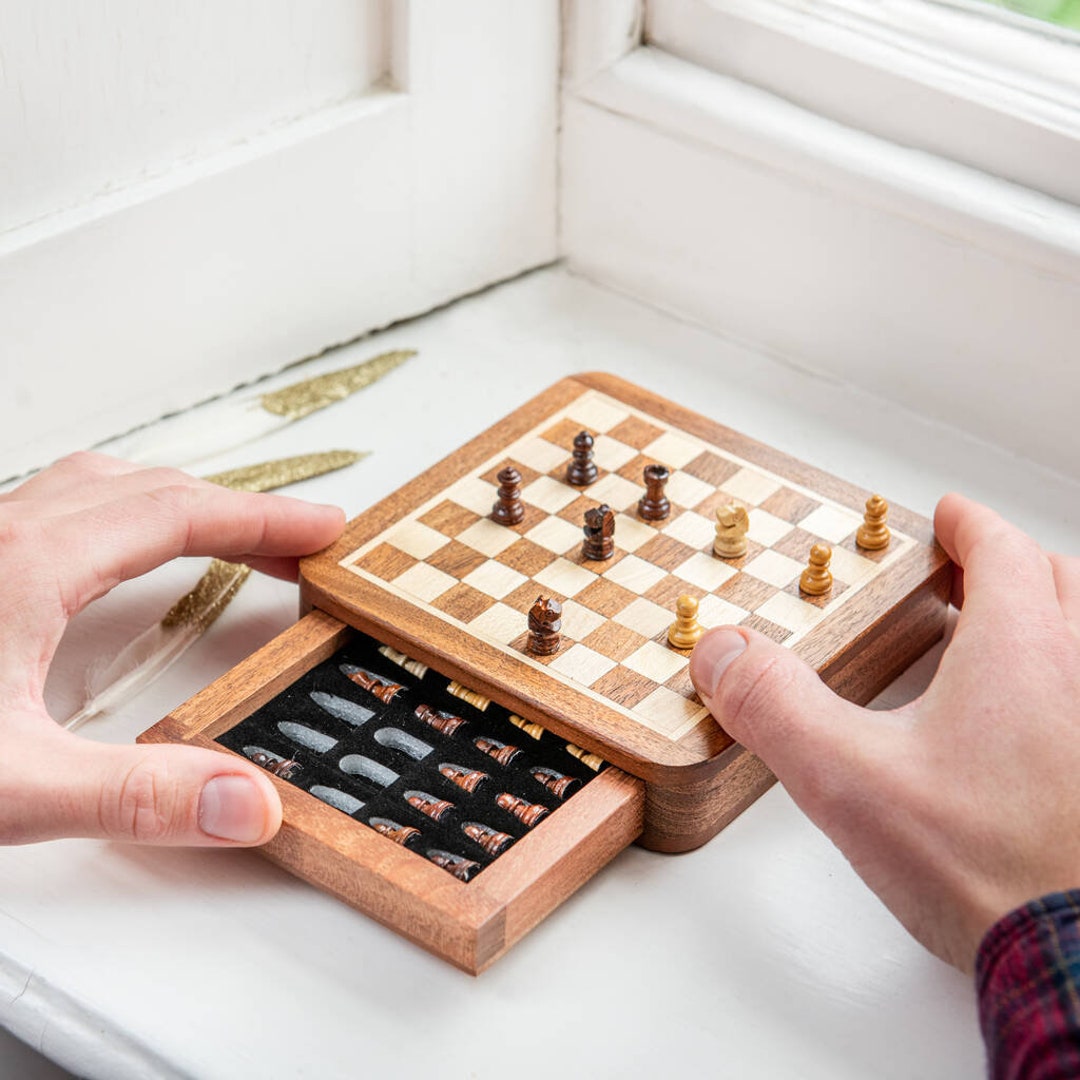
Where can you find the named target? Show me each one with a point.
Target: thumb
(775, 704)
(147, 794)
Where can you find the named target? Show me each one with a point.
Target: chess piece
(816, 579)
(685, 630)
(873, 533)
(508, 510)
(653, 505)
(599, 529)
(732, 523)
(582, 469)
(545, 622)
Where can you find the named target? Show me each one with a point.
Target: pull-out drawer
(355, 773)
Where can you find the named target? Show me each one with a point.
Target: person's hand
(964, 804)
(67, 536)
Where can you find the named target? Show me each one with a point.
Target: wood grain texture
(671, 795)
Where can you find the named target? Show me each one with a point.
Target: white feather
(157, 648)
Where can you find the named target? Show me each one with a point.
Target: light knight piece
(732, 523)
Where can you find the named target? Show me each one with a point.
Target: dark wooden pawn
(654, 505)
(599, 542)
(508, 510)
(582, 470)
(545, 624)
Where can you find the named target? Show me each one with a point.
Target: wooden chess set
(488, 694)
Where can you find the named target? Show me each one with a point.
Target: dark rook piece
(582, 470)
(599, 530)
(508, 510)
(653, 505)
(545, 622)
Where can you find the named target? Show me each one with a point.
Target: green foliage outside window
(1062, 12)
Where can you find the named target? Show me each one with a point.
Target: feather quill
(157, 648)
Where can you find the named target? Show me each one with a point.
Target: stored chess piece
(685, 631)
(582, 469)
(599, 542)
(732, 523)
(545, 622)
(654, 505)
(816, 579)
(508, 510)
(383, 689)
(873, 533)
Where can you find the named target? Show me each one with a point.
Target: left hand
(68, 536)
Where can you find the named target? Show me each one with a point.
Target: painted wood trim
(944, 290)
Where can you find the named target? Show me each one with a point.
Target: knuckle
(141, 807)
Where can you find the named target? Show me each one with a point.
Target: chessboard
(427, 596)
(430, 572)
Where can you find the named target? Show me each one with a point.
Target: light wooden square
(693, 530)
(705, 571)
(656, 662)
(494, 579)
(645, 617)
(425, 582)
(831, 523)
(416, 539)
(674, 450)
(597, 414)
(548, 494)
(537, 453)
(501, 623)
(565, 578)
(850, 567)
(630, 533)
(555, 534)
(610, 454)
(669, 713)
(488, 537)
(686, 490)
(750, 486)
(618, 492)
(635, 574)
(582, 664)
(790, 612)
(474, 494)
(774, 568)
(712, 611)
(579, 622)
(766, 528)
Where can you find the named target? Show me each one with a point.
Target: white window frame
(933, 283)
(960, 79)
(438, 181)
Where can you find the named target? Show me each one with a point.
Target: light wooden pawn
(685, 631)
(873, 533)
(817, 579)
(732, 523)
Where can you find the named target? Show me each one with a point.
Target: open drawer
(519, 843)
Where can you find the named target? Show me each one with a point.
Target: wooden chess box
(444, 589)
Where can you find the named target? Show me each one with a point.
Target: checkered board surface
(450, 559)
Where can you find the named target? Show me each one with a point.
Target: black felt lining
(295, 704)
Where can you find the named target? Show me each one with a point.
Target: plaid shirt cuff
(1028, 978)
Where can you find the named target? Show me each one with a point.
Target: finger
(1067, 582)
(148, 794)
(775, 705)
(96, 548)
(1005, 571)
(74, 476)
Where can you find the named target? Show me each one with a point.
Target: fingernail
(232, 808)
(711, 657)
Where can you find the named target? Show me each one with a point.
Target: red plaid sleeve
(1028, 977)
